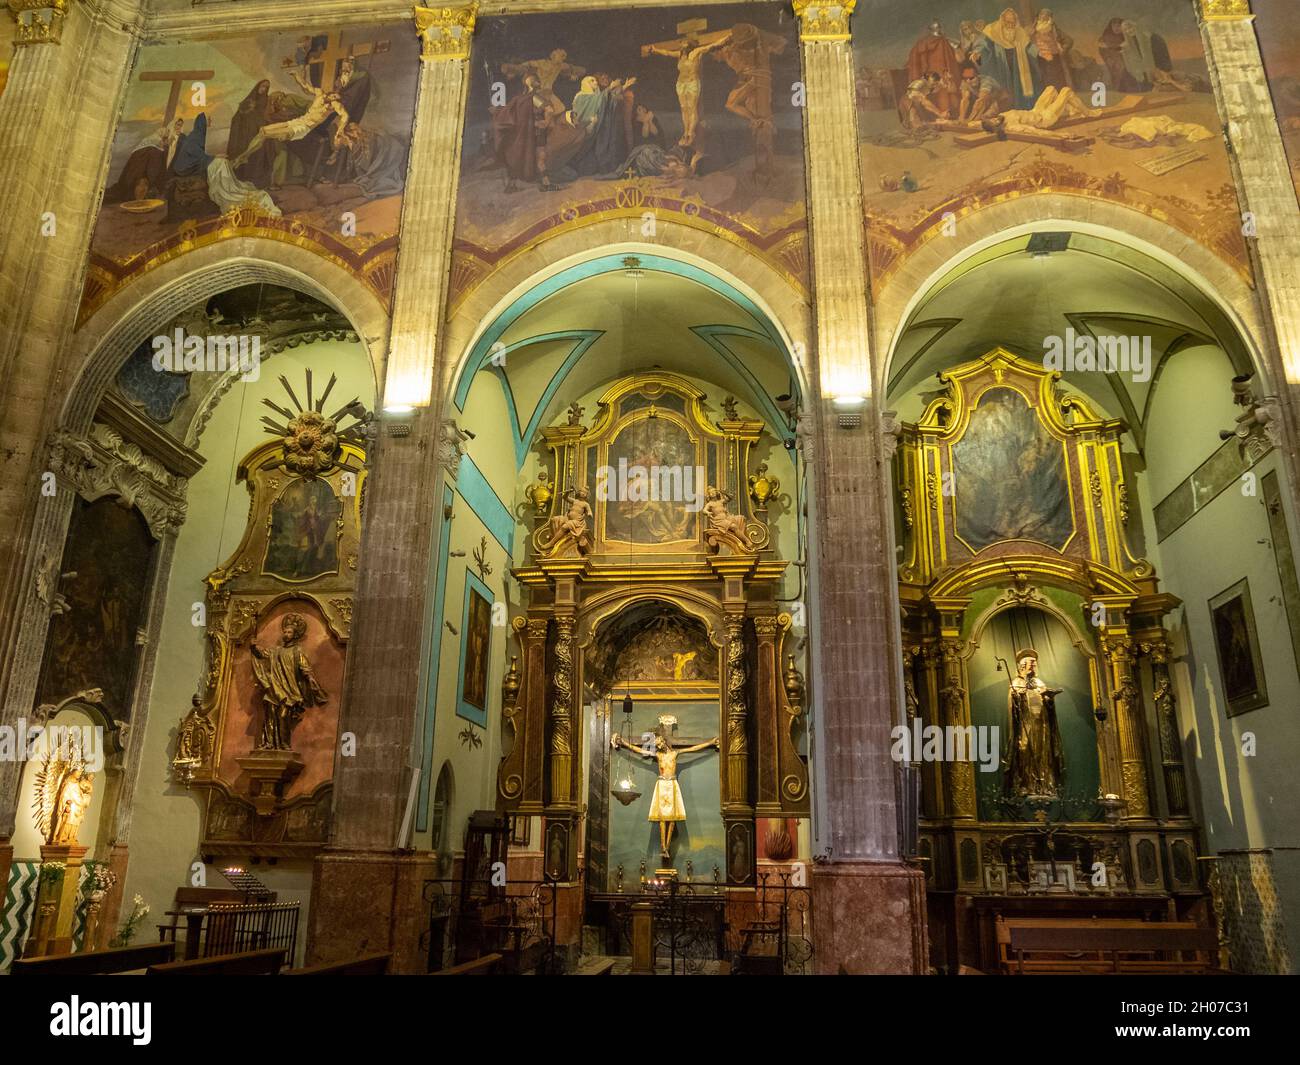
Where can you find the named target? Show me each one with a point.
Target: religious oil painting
(1009, 476)
(651, 483)
(105, 580)
(304, 539)
(1237, 644)
(690, 113)
(1278, 29)
(475, 652)
(963, 102)
(304, 134)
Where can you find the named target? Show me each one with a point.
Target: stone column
(869, 906)
(1264, 182)
(57, 115)
(380, 700)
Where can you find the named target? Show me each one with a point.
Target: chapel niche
(261, 737)
(1016, 573)
(653, 622)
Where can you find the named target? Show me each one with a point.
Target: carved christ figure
(1034, 762)
(666, 804)
(288, 684)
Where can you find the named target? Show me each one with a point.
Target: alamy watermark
(28, 742)
(1080, 353)
(645, 484)
(949, 743)
(179, 353)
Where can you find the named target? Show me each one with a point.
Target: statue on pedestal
(288, 685)
(1034, 765)
(64, 787)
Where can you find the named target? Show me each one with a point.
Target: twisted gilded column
(385, 656)
(1126, 700)
(561, 745)
(870, 906)
(737, 739)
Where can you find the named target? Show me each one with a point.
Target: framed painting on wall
(1237, 644)
(475, 652)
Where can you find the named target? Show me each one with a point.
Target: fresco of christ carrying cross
(666, 806)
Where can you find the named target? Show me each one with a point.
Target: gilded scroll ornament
(39, 21)
(1226, 9)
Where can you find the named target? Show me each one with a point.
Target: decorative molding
(824, 20)
(445, 32)
(39, 21)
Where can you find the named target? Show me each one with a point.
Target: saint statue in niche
(1034, 763)
(666, 804)
(64, 787)
(288, 685)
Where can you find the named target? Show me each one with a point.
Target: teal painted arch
(481, 353)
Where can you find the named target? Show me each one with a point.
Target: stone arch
(779, 297)
(148, 302)
(1216, 278)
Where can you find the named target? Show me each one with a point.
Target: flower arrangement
(127, 931)
(52, 873)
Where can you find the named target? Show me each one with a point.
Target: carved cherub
(574, 521)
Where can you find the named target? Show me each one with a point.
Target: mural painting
(969, 102)
(688, 113)
(1279, 43)
(298, 137)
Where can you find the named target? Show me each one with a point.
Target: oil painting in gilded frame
(1237, 642)
(475, 651)
(1010, 476)
(304, 531)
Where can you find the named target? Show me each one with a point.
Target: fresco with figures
(692, 113)
(1279, 43)
(963, 103)
(302, 137)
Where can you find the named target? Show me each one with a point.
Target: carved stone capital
(824, 20)
(39, 21)
(445, 32)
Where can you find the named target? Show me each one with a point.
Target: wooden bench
(96, 962)
(484, 966)
(596, 967)
(1045, 946)
(249, 963)
(365, 965)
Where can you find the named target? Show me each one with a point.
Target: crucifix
(176, 78)
(323, 67)
(689, 50)
(666, 806)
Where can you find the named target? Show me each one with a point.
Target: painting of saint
(651, 503)
(105, 578)
(1009, 476)
(1237, 643)
(303, 542)
(475, 651)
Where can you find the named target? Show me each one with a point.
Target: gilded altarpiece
(1016, 572)
(653, 625)
(261, 738)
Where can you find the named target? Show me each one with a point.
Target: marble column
(57, 115)
(380, 701)
(868, 904)
(1264, 186)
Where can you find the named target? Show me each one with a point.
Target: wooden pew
(96, 962)
(365, 965)
(1044, 946)
(249, 963)
(487, 965)
(596, 967)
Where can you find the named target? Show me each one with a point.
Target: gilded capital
(445, 32)
(39, 21)
(1223, 10)
(824, 20)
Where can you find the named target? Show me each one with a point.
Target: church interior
(600, 488)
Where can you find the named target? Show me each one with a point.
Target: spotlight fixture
(848, 410)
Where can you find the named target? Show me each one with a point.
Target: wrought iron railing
(515, 919)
